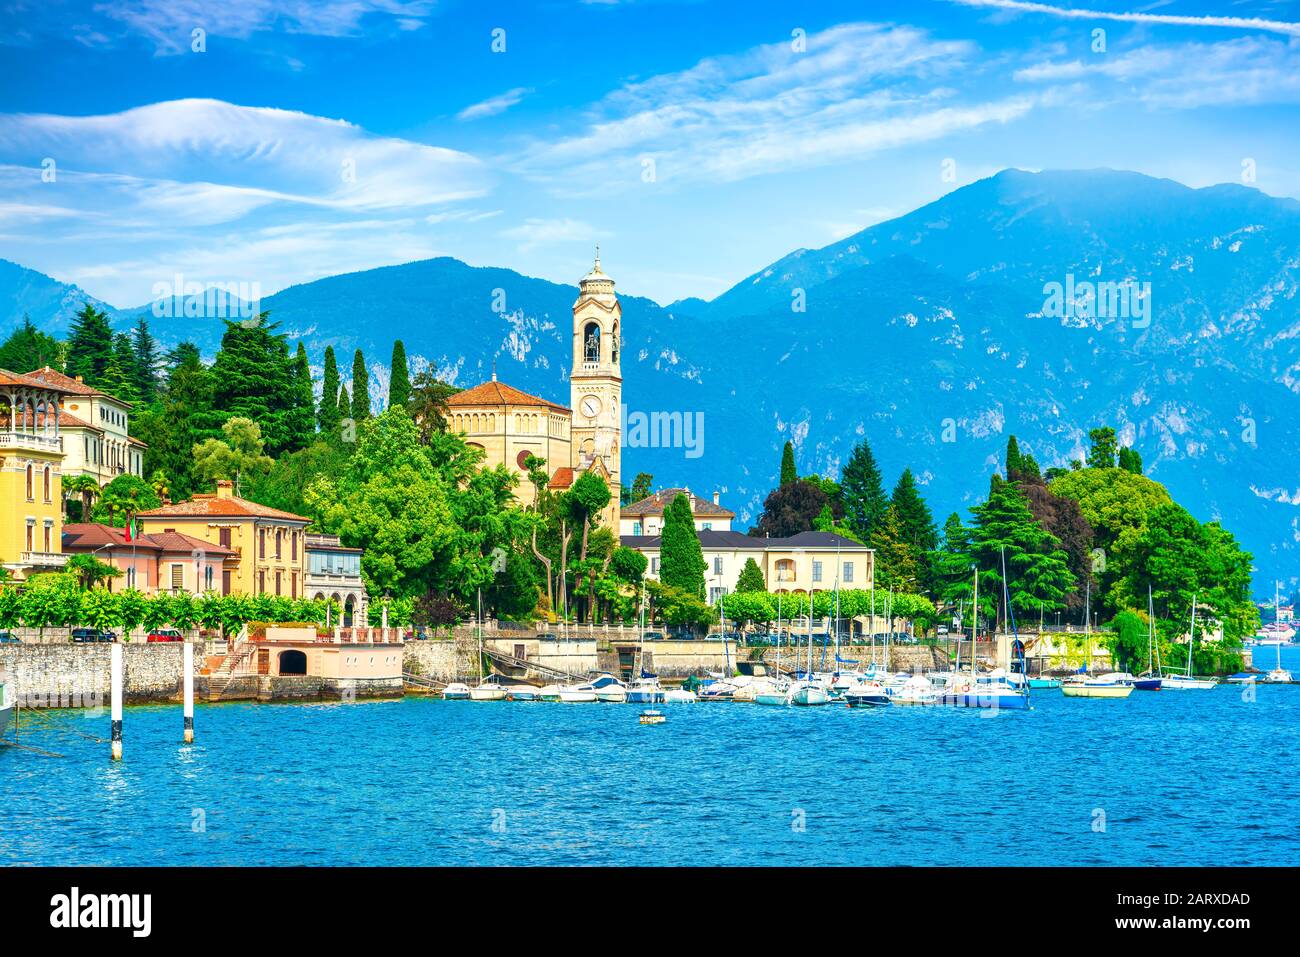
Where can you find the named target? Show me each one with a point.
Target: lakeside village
(482, 543)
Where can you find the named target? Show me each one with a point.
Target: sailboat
(1185, 682)
(1278, 675)
(778, 691)
(974, 691)
(808, 690)
(1084, 685)
(1150, 680)
(487, 689)
(645, 687)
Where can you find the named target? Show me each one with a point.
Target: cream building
(31, 475)
(808, 561)
(646, 517)
(510, 425)
(95, 428)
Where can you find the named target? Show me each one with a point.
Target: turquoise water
(1160, 778)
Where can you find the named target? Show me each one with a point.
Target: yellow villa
(31, 475)
(270, 546)
(510, 425)
(95, 428)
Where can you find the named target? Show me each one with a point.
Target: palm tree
(84, 486)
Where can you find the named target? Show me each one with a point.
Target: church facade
(510, 425)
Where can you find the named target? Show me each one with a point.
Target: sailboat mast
(1277, 624)
(1191, 639)
(975, 620)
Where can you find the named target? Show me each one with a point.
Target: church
(510, 425)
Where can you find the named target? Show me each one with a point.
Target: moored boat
(456, 691)
(6, 700)
(645, 690)
(1081, 687)
(867, 694)
(809, 693)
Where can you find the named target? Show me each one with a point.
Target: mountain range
(932, 335)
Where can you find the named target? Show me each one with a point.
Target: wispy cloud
(1243, 70)
(494, 105)
(168, 23)
(855, 89)
(533, 233)
(1237, 23)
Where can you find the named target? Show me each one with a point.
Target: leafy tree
(681, 559)
(790, 509)
(680, 608)
(641, 488)
(1104, 448)
(399, 378)
(79, 494)
(181, 418)
(119, 375)
(628, 564)
(789, 473)
(124, 497)
(428, 404)
(1036, 566)
(284, 485)
(896, 561)
(825, 522)
(360, 388)
(862, 491)
(915, 525)
(239, 453)
(344, 409)
(90, 345)
(89, 570)
(751, 578)
(28, 349)
(327, 415)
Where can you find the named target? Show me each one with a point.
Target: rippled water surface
(1164, 778)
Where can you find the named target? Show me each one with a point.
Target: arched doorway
(293, 663)
(349, 606)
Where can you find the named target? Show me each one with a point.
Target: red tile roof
(656, 503)
(498, 393)
(562, 478)
(219, 507)
(53, 378)
(14, 378)
(85, 536)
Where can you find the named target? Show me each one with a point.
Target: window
(293, 585)
(178, 576)
(261, 582)
(636, 528)
(717, 564)
(279, 536)
(31, 534)
(277, 583)
(848, 572)
(706, 526)
(207, 578)
(223, 537)
(817, 571)
(45, 484)
(48, 531)
(293, 553)
(261, 543)
(30, 496)
(130, 577)
(654, 565)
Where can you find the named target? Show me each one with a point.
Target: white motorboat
(6, 700)
(808, 692)
(1185, 681)
(456, 691)
(607, 687)
(576, 694)
(679, 696)
(522, 693)
(645, 690)
(1079, 686)
(867, 694)
(489, 690)
(773, 697)
(917, 690)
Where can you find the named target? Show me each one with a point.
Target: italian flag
(130, 528)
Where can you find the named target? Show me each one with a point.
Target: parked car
(654, 636)
(165, 634)
(91, 635)
(9, 638)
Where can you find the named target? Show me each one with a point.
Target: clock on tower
(596, 378)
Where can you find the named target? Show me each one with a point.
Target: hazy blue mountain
(924, 328)
(50, 303)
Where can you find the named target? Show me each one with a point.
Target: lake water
(1197, 778)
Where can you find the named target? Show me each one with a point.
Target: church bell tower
(596, 381)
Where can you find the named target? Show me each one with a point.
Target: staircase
(500, 658)
(231, 670)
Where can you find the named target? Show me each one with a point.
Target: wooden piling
(115, 658)
(189, 692)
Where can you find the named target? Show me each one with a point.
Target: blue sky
(695, 141)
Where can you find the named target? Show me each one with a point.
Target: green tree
(28, 349)
(641, 488)
(789, 473)
(79, 494)
(327, 415)
(428, 404)
(1037, 569)
(681, 559)
(862, 491)
(254, 378)
(399, 378)
(144, 349)
(790, 509)
(896, 561)
(90, 345)
(240, 453)
(123, 498)
(181, 418)
(300, 422)
(1104, 448)
(750, 578)
(1130, 460)
(360, 388)
(119, 375)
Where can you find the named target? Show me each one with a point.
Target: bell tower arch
(596, 378)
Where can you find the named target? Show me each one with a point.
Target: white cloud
(857, 89)
(533, 233)
(1238, 71)
(494, 105)
(168, 23)
(1238, 23)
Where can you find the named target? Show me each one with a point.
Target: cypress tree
(751, 578)
(1013, 458)
(399, 378)
(118, 379)
(1130, 460)
(145, 349)
(360, 388)
(302, 422)
(90, 345)
(862, 491)
(344, 408)
(789, 474)
(915, 523)
(327, 416)
(681, 559)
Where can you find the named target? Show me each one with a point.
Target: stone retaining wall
(68, 675)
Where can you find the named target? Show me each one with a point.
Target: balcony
(31, 441)
(43, 559)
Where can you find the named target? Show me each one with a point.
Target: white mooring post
(115, 710)
(189, 692)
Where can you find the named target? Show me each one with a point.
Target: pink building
(167, 561)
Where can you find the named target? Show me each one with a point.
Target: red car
(165, 634)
